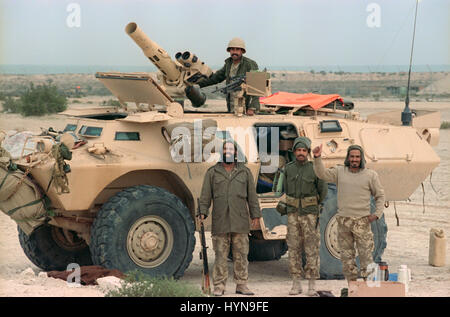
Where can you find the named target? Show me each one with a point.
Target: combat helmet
(236, 42)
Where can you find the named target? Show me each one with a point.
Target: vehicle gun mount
(176, 75)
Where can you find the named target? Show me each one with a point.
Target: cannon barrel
(154, 52)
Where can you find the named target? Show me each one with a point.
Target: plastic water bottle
(404, 276)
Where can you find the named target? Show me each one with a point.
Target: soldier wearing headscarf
(355, 185)
(304, 194)
(229, 185)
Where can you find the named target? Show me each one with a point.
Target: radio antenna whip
(407, 114)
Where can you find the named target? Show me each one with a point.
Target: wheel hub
(150, 241)
(331, 237)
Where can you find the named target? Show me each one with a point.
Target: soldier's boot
(243, 289)
(296, 287)
(312, 288)
(350, 279)
(219, 290)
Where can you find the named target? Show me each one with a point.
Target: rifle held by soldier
(203, 254)
(234, 85)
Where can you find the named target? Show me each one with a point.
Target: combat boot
(296, 287)
(243, 289)
(312, 288)
(218, 290)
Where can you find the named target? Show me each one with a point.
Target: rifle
(203, 254)
(234, 85)
(318, 215)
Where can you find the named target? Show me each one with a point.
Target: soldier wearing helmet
(235, 65)
(304, 194)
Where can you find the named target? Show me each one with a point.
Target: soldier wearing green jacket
(235, 65)
(229, 185)
(304, 194)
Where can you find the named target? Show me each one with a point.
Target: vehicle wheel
(144, 228)
(52, 249)
(330, 264)
(263, 250)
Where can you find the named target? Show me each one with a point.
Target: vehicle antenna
(407, 114)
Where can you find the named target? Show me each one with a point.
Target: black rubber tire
(263, 250)
(42, 249)
(116, 217)
(331, 267)
(266, 250)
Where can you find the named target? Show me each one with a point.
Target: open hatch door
(139, 88)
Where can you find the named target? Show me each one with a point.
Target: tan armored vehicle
(118, 187)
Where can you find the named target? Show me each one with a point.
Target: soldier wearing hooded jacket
(355, 185)
(229, 185)
(304, 193)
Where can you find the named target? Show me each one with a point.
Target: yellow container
(437, 247)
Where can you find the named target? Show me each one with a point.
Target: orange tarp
(286, 98)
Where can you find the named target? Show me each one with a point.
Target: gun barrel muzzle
(157, 55)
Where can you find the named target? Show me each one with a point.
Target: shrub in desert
(137, 284)
(11, 105)
(111, 103)
(445, 125)
(42, 99)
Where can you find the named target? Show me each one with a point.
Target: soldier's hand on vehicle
(250, 112)
(372, 218)
(317, 151)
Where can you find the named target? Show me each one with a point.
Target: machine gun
(235, 84)
(203, 255)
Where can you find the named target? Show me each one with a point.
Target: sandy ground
(406, 244)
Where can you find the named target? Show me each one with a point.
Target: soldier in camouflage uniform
(229, 184)
(355, 184)
(304, 194)
(235, 65)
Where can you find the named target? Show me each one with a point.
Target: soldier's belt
(292, 201)
(309, 201)
(305, 201)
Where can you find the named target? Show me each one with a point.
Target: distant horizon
(283, 34)
(37, 69)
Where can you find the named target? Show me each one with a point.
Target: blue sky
(277, 33)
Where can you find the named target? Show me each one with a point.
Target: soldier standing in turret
(235, 65)
(355, 184)
(304, 194)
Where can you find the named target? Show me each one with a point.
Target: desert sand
(406, 244)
